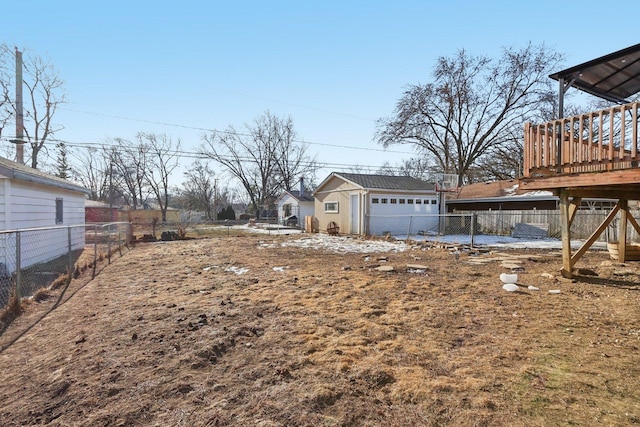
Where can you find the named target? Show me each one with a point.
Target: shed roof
(22, 172)
(614, 77)
(306, 196)
(385, 182)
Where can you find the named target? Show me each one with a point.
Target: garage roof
(383, 182)
(614, 77)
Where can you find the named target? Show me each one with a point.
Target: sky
(334, 67)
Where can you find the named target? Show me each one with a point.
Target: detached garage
(376, 204)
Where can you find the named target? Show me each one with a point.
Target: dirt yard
(294, 331)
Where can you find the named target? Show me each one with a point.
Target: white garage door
(400, 214)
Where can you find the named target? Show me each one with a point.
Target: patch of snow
(342, 244)
(269, 229)
(237, 270)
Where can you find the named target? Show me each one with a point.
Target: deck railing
(603, 140)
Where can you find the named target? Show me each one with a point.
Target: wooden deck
(594, 155)
(596, 149)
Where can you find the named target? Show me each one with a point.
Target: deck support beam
(568, 209)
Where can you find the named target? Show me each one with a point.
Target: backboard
(446, 182)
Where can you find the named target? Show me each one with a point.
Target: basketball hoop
(447, 183)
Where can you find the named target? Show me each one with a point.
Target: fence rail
(34, 258)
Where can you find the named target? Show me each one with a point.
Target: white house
(30, 198)
(376, 204)
(294, 206)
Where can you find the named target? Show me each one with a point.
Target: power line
(201, 156)
(234, 132)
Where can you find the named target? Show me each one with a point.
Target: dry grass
(11, 311)
(171, 334)
(41, 295)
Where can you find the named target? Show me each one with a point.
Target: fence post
(109, 243)
(473, 229)
(18, 267)
(70, 258)
(409, 230)
(119, 239)
(95, 250)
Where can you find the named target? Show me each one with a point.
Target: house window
(331, 207)
(401, 201)
(383, 200)
(59, 217)
(418, 201)
(434, 201)
(409, 201)
(394, 201)
(374, 200)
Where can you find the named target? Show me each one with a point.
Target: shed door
(355, 214)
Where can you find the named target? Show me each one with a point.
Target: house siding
(340, 191)
(34, 206)
(298, 208)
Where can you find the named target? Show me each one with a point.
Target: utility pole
(19, 111)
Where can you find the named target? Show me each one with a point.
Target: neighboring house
(376, 204)
(506, 196)
(294, 206)
(30, 198)
(100, 212)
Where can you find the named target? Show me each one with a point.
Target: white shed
(376, 204)
(293, 206)
(30, 198)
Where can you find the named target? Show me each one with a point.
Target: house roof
(25, 173)
(306, 196)
(493, 189)
(383, 182)
(506, 190)
(614, 77)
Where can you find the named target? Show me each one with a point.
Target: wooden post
(566, 234)
(622, 230)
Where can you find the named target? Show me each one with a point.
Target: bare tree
(420, 168)
(472, 106)
(162, 159)
(198, 191)
(291, 159)
(265, 160)
(129, 162)
(44, 93)
(93, 169)
(6, 77)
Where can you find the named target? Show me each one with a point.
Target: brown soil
(178, 333)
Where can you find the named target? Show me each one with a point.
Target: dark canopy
(614, 77)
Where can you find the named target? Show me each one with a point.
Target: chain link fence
(37, 258)
(425, 227)
(463, 228)
(545, 224)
